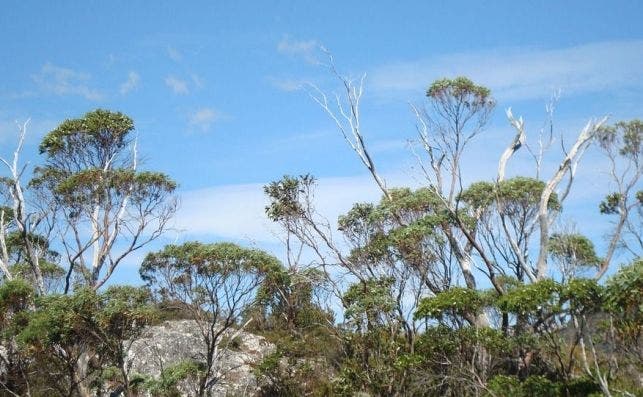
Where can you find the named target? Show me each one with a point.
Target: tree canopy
(451, 287)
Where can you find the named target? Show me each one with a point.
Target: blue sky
(213, 86)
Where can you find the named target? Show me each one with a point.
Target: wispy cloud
(286, 84)
(238, 211)
(203, 118)
(131, 83)
(111, 60)
(388, 145)
(518, 73)
(306, 137)
(233, 211)
(178, 86)
(197, 81)
(305, 49)
(300, 140)
(174, 54)
(64, 81)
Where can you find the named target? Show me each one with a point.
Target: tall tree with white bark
(107, 207)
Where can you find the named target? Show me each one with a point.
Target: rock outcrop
(171, 342)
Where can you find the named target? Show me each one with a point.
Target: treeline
(444, 290)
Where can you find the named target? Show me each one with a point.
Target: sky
(217, 90)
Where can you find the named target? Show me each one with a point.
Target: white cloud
(305, 49)
(237, 211)
(234, 211)
(131, 83)
(203, 118)
(519, 73)
(64, 81)
(178, 86)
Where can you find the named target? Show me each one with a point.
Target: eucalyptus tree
(105, 207)
(410, 244)
(91, 203)
(16, 299)
(71, 341)
(27, 222)
(574, 254)
(456, 112)
(217, 284)
(418, 242)
(622, 145)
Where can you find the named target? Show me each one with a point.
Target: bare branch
(346, 116)
(516, 144)
(574, 154)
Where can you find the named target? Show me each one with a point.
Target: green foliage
(623, 297)
(358, 221)
(525, 192)
(505, 385)
(539, 386)
(399, 247)
(368, 300)
(582, 387)
(533, 386)
(16, 297)
(398, 228)
(15, 242)
(406, 200)
(584, 295)
(96, 130)
(573, 248)
(445, 341)
(48, 269)
(7, 214)
(479, 195)
(455, 302)
(94, 183)
(125, 310)
(611, 204)
(281, 375)
(286, 196)
(532, 298)
(518, 195)
(62, 328)
(302, 361)
(625, 136)
(286, 300)
(172, 376)
(62, 320)
(206, 260)
(475, 96)
(372, 363)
